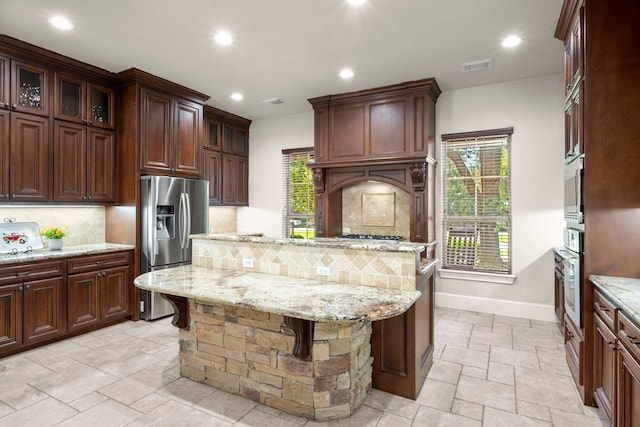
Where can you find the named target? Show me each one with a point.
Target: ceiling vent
(484, 64)
(274, 101)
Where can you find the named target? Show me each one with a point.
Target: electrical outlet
(346, 230)
(324, 271)
(247, 262)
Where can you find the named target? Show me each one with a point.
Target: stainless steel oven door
(572, 288)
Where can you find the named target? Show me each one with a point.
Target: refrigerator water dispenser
(165, 222)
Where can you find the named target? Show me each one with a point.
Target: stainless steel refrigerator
(171, 209)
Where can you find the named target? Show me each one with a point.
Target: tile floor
(488, 371)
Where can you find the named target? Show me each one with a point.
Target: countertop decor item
(19, 237)
(54, 237)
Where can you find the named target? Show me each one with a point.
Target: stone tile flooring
(488, 371)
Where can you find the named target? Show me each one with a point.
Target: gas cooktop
(371, 237)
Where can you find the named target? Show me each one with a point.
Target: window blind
(298, 195)
(476, 201)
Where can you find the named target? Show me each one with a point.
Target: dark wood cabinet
(628, 391)
(212, 172)
(605, 82)
(402, 347)
(5, 87)
(170, 134)
(574, 348)
(32, 300)
(604, 357)
(84, 163)
(225, 157)
(235, 180)
(99, 290)
(5, 161)
(80, 101)
(29, 158)
(29, 88)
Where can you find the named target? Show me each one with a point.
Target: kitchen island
(255, 321)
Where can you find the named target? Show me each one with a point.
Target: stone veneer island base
(298, 344)
(250, 353)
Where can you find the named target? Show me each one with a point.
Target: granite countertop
(65, 252)
(622, 292)
(307, 299)
(332, 242)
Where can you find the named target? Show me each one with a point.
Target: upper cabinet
(29, 88)
(57, 121)
(170, 134)
(225, 158)
(377, 124)
(80, 101)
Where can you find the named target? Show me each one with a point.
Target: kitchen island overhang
(299, 345)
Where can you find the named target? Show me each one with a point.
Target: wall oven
(572, 256)
(573, 206)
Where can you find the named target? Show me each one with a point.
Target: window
(297, 221)
(476, 201)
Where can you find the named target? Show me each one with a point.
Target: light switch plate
(247, 262)
(324, 271)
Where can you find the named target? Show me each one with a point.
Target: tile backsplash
(86, 223)
(381, 201)
(223, 219)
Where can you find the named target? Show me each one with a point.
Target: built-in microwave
(573, 175)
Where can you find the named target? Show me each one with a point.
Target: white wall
(534, 108)
(268, 138)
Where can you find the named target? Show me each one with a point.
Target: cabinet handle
(633, 340)
(23, 273)
(99, 262)
(602, 307)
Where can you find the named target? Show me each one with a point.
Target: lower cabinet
(628, 392)
(604, 357)
(32, 304)
(574, 350)
(98, 291)
(402, 347)
(616, 364)
(45, 301)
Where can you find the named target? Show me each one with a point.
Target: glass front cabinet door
(79, 101)
(29, 88)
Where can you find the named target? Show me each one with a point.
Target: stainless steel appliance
(572, 275)
(171, 209)
(573, 207)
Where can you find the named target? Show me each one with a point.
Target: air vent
(274, 101)
(484, 64)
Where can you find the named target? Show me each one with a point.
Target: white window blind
(476, 201)
(298, 203)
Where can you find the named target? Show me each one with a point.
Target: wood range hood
(384, 134)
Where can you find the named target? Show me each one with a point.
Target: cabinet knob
(84, 197)
(569, 87)
(20, 288)
(14, 106)
(13, 196)
(27, 287)
(88, 197)
(612, 345)
(602, 307)
(104, 273)
(633, 340)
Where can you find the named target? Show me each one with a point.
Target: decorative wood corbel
(303, 331)
(418, 173)
(180, 310)
(319, 179)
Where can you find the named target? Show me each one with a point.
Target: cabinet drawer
(629, 335)
(31, 271)
(604, 309)
(96, 262)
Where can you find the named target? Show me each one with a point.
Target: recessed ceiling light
(223, 38)
(511, 41)
(237, 96)
(60, 22)
(346, 73)
(357, 2)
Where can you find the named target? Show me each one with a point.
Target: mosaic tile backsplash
(86, 224)
(356, 215)
(387, 270)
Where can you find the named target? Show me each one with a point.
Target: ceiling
(294, 49)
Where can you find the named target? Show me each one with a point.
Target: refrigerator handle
(152, 243)
(187, 221)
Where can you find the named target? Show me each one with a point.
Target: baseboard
(496, 306)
